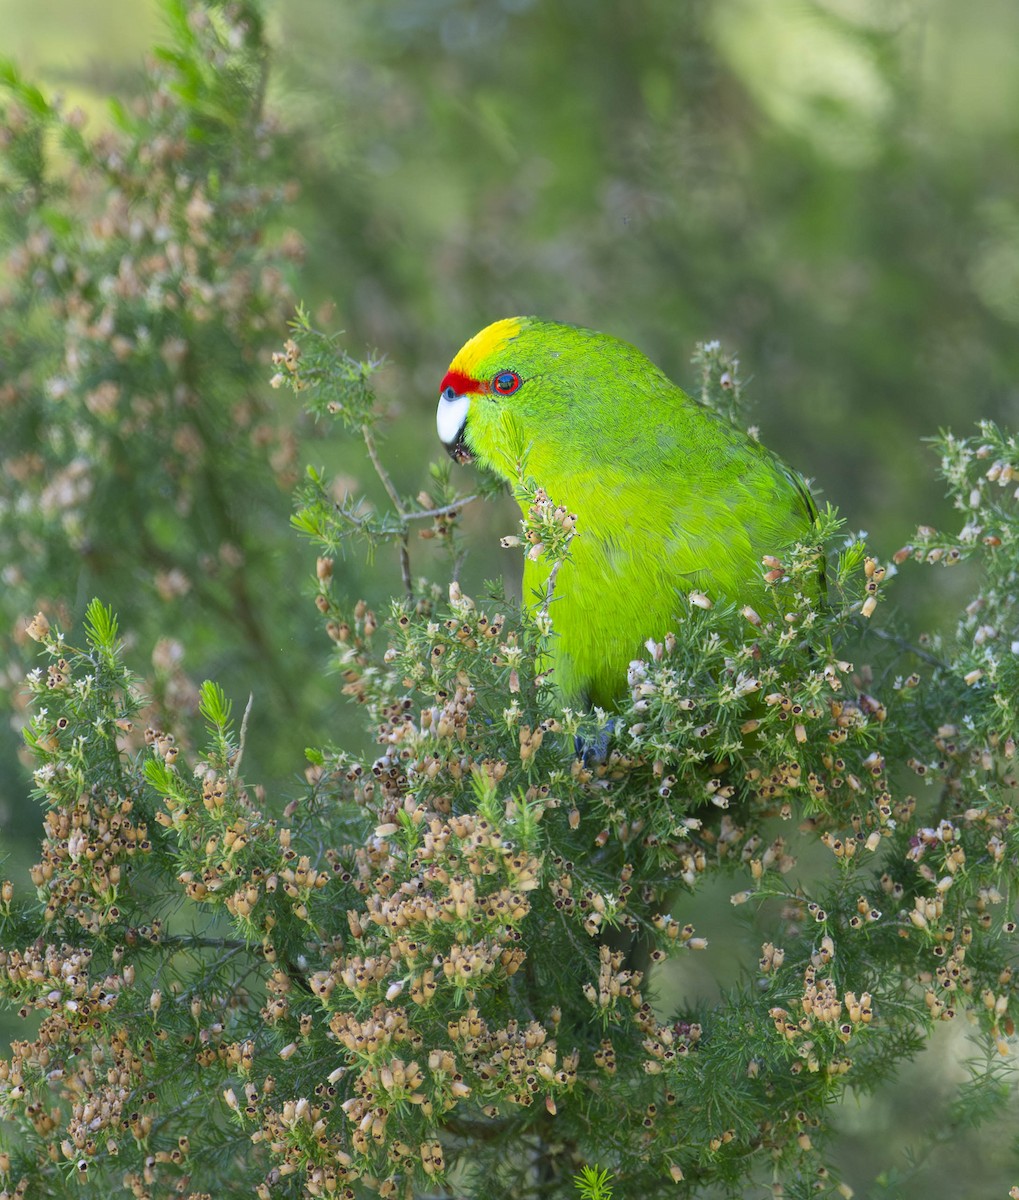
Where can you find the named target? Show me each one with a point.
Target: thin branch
(394, 496)
(446, 510)
(483, 1131)
(457, 566)
(550, 583)
(380, 470)
(357, 522)
(903, 644)
(195, 942)
(408, 583)
(403, 516)
(236, 769)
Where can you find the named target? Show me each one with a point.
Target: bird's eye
(506, 383)
(449, 393)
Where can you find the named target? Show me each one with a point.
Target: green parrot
(670, 497)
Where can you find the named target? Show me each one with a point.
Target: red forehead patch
(462, 384)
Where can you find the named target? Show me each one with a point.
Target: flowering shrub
(142, 284)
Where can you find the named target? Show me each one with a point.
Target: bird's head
(490, 368)
(559, 395)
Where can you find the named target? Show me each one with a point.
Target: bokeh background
(831, 187)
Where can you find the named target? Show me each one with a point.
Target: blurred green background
(829, 186)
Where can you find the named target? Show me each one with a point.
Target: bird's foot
(592, 751)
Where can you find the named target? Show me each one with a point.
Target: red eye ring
(506, 383)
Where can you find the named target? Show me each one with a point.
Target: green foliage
(593, 1184)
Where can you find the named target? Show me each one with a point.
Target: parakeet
(669, 496)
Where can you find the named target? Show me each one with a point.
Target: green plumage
(669, 496)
